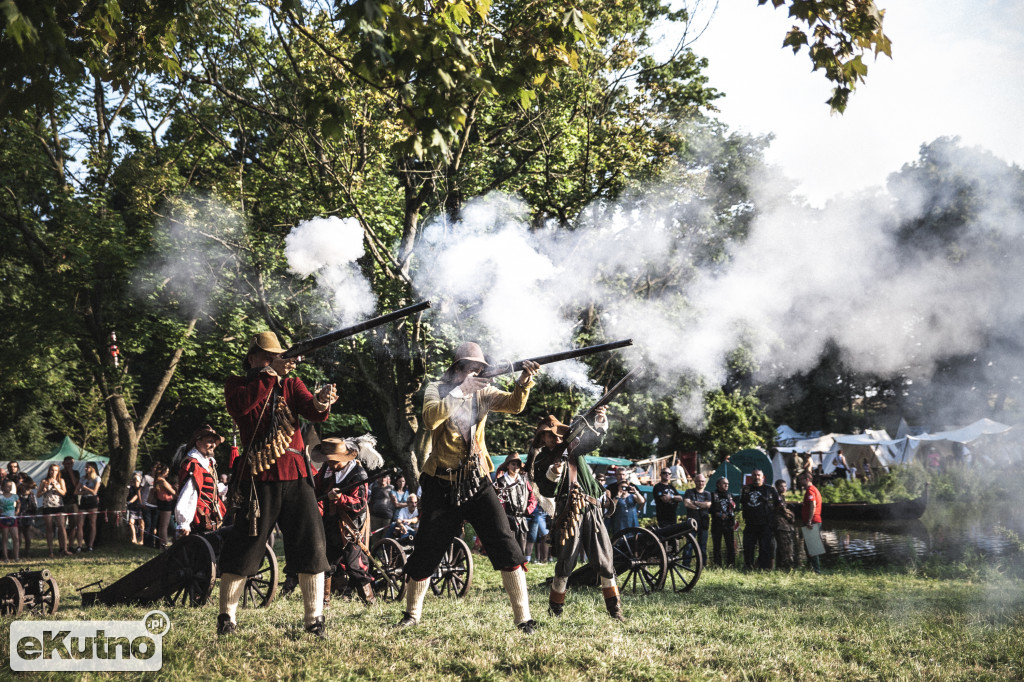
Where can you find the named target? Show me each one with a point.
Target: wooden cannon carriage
(184, 574)
(34, 590)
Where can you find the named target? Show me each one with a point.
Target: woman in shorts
(135, 522)
(52, 490)
(89, 504)
(165, 493)
(9, 505)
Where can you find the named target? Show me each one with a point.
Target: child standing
(9, 505)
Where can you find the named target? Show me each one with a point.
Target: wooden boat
(902, 510)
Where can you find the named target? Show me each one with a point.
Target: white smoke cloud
(327, 248)
(803, 276)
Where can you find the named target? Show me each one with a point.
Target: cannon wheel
(639, 560)
(49, 596)
(455, 572)
(683, 576)
(12, 596)
(190, 569)
(389, 558)
(260, 589)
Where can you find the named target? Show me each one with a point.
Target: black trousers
(345, 555)
(761, 538)
(440, 522)
(724, 536)
(292, 506)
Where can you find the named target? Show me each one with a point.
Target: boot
(365, 592)
(327, 592)
(556, 602)
(318, 628)
(613, 602)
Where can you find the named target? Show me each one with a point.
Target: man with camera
(624, 501)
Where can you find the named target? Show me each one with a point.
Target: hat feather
(368, 455)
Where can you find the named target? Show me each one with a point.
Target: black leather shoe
(407, 621)
(224, 625)
(318, 627)
(528, 627)
(555, 609)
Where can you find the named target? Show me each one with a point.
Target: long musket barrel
(589, 414)
(310, 345)
(506, 366)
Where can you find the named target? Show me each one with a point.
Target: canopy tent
(874, 447)
(68, 448)
(781, 470)
(950, 444)
(753, 458)
(37, 468)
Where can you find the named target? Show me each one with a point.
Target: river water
(901, 543)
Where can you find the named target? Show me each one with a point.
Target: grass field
(852, 624)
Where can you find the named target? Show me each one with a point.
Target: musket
(352, 485)
(310, 345)
(583, 421)
(506, 366)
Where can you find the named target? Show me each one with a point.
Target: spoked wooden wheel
(388, 563)
(685, 562)
(260, 589)
(48, 599)
(455, 572)
(190, 569)
(639, 560)
(12, 596)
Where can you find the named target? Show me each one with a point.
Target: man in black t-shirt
(697, 501)
(759, 502)
(666, 500)
(382, 507)
(723, 523)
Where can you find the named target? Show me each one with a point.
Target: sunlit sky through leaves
(957, 69)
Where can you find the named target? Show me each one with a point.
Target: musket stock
(310, 345)
(506, 366)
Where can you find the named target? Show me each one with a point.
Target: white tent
(781, 470)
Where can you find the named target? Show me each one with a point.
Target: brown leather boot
(327, 591)
(613, 602)
(365, 593)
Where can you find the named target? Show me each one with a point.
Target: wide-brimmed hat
(333, 450)
(202, 432)
(551, 423)
(266, 341)
(470, 352)
(514, 457)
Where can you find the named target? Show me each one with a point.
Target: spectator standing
(164, 493)
(150, 514)
(71, 517)
(624, 501)
(89, 490)
(759, 501)
(537, 534)
(28, 507)
(723, 523)
(52, 490)
(666, 499)
(697, 501)
(9, 507)
(399, 495)
(786, 532)
(135, 506)
(841, 467)
(810, 516)
(382, 508)
(516, 497)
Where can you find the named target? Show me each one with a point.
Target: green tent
(750, 459)
(733, 473)
(69, 449)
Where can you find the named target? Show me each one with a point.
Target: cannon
(34, 590)
(452, 578)
(645, 560)
(184, 575)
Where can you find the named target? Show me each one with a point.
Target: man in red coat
(199, 508)
(272, 481)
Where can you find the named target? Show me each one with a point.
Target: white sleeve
(188, 500)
